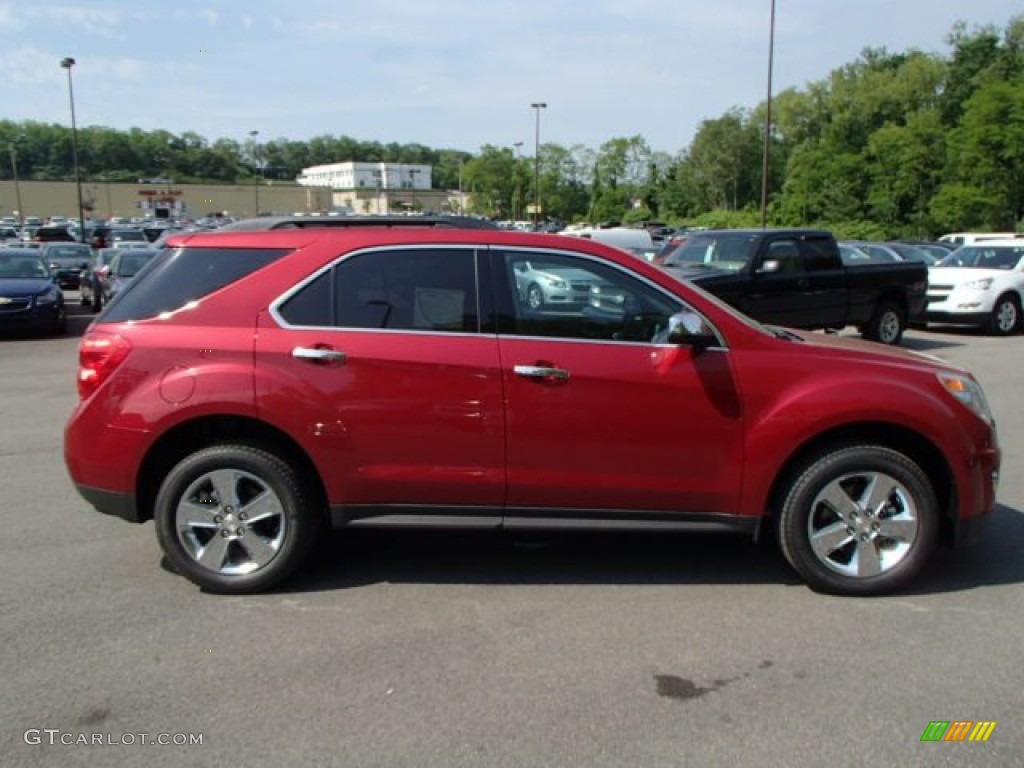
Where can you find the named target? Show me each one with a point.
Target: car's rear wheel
(1005, 318)
(887, 324)
(235, 519)
(860, 520)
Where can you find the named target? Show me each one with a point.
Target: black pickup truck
(796, 278)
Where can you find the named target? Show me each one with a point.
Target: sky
(448, 74)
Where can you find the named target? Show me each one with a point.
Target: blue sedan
(29, 295)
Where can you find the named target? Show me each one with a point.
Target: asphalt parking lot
(406, 649)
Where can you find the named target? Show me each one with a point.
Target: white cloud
(211, 16)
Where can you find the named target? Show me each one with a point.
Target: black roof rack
(319, 222)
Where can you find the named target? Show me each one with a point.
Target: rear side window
(175, 277)
(417, 289)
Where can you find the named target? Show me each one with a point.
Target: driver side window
(572, 297)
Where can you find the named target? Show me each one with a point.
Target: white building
(351, 175)
(378, 187)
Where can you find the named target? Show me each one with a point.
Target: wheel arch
(894, 436)
(205, 431)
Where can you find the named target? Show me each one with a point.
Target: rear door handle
(321, 355)
(545, 373)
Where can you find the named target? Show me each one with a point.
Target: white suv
(980, 284)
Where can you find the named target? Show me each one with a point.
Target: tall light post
(67, 63)
(767, 121)
(537, 106)
(17, 185)
(256, 182)
(518, 192)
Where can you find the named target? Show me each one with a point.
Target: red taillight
(99, 355)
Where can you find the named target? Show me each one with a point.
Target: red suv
(248, 388)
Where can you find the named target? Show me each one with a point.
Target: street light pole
(67, 63)
(537, 106)
(17, 185)
(256, 182)
(767, 121)
(516, 207)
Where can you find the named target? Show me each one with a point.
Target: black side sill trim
(536, 518)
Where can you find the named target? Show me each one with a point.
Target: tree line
(904, 144)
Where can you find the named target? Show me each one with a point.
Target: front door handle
(545, 373)
(321, 355)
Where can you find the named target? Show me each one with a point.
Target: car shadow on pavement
(993, 560)
(362, 557)
(922, 344)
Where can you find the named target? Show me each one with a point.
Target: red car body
(419, 428)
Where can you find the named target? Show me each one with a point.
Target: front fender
(783, 428)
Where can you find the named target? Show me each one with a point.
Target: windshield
(729, 251)
(15, 266)
(985, 257)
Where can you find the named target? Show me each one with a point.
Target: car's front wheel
(860, 520)
(1005, 318)
(535, 296)
(235, 519)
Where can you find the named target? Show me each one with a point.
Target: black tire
(887, 324)
(846, 546)
(1005, 317)
(97, 301)
(288, 525)
(60, 325)
(84, 301)
(535, 296)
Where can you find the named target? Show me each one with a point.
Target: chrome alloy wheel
(889, 326)
(863, 524)
(229, 521)
(1006, 316)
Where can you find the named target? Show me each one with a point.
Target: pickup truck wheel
(861, 520)
(234, 519)
(886, 325)
(1005, 319)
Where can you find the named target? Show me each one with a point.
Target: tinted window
(312, 304)
(728, 250)
(818, 254)
(428, 289)
(576, 298)
(175, 277)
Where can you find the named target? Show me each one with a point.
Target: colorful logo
(958, 730)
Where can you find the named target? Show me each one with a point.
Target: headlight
(969, 392)
(979, 285)
(556, 283)
(50, 297)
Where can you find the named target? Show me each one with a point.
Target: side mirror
(768, 267)
(687, 328)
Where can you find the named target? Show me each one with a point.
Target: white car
(980, 284)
